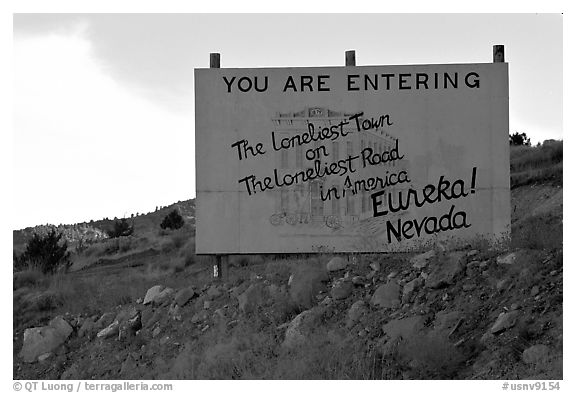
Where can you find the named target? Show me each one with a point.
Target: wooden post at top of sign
(214, 60)
(350, 58)
(221, 259)
(498, 54)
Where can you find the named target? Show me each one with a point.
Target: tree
(121, 228)
(172, 221)
(518, 139)
(46, 252)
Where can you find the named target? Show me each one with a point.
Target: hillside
(146, 307)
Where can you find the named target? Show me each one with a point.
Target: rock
(158, 294)
(129, 327)
(472, 253)
(403, 328)
(387, 295)
(484, 264)
(446, 270)
(445, 321)
(126, 313)
(505, 321)
(156, 331)
(251, 298)
(207, 304)
(87, 328)
(392, 275)
(152, 293)
(336, 263)
(184, 295)
(514, 306)
(45, 356)
(421, 261)
(299, 328)
(306, 284)
(356, 311)
(375, 266)
(110, 331)
(508, 259)
(468, 287)
(61, 326)
(341, 290)
(150, 317)
(213, 292)
(535, 290)
(105, 320)
(536, 354)
(410, 288)
(40, 340)
(358, 280)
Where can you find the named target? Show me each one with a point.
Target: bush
(121, 228)
(518, 139)
(46, 253)
(172, 221)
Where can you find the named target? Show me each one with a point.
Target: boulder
(387, 295)
(421, 261)
(213, 292)
(375, 266)
(109, 331)
(306, 284)
(61, 326)
(87, 328)
(410, 288)
(403, 328)
(158, 294)
(300, 328)
(445, 321)
(126, 313)
(336, 263)
(536, 354)
(505, 321)
(356, 311)
(445, 270)
(341, 290)
(184, 295)
(39, 341)
(105, 320)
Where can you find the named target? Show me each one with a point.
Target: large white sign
(350, 159)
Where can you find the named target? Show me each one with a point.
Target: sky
(103, 104)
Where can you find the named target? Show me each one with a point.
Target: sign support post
(498, 54)
(221, 259)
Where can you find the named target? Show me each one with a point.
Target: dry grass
(536, 164)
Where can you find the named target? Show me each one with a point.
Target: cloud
(85, 147)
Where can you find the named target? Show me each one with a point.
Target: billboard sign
(350, 159)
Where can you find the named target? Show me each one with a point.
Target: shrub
(46, 253)
(172, 221)
(519, 139)
(121, 228)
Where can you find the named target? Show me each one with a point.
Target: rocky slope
(466, 314)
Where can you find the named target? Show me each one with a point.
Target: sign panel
(350, 159)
